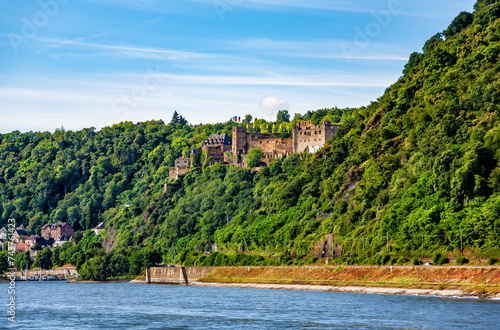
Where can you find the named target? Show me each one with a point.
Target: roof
(22, 232)
(2, 230)
(217, 140)
(64, 238)
(55, 225)
(101, 225)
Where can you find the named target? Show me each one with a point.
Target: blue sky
(93, 63)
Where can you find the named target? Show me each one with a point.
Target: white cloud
(271, 104)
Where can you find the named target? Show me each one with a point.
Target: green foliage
(254, 157)
(95, 269)
(23, 260)
(282, 116)
(4, 262)
(439, 259)
(462, 260)
(178, 119)
(463, 20)
(43, 259)
(492, 261)
(415, 172)
(402, 261)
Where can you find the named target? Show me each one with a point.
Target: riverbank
(352, 289)
(448, 281)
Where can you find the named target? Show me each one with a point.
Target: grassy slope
(471, 279)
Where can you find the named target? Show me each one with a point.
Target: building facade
(56, 230)
(215, 147)
(309, 137)
(272, 146)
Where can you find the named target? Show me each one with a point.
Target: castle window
(319, 132)
(309, 140)
(314, 140)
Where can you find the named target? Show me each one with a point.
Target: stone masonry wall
(176, 275)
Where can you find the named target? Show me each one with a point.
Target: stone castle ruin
(219, 148)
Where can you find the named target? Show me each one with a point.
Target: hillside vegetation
(414, 174)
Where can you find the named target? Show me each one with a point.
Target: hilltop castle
(218, 148)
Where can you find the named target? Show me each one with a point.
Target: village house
(22, 246)
(99, 228)
(61, 240)
(56, 230)
(20, 233)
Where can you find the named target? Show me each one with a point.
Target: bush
(402, 261)
(285, 260)
(492, 261)
(382, 259)
(440, 259)
(416, 262)
(462, 260)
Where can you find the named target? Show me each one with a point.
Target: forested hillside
(414, 173)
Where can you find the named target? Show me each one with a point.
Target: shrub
(402, 261)
(440, 259)
(492, 261)
(462, 260)
(382, 259)
(416, 262)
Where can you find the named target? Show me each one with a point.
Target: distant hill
(414, 173)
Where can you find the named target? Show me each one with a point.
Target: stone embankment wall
(176, 275)
(53, 272)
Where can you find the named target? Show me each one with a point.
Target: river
(60, 305)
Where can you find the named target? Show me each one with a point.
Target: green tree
(43, 259)
(178, 119)
(283, 116)
(254, 157)
(248, 119)
(175, 118)
(4, 264)
(23, 260)
(56, 256)
(463, 20)
(136, 261)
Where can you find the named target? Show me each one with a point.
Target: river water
(60, 305)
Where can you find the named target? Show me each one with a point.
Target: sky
(79, 64)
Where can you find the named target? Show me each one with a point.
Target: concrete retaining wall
(176, 275)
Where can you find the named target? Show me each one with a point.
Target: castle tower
(240, 146)
(295, 134)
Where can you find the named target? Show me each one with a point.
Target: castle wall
(272, 146)
(175, 172)
(308, 137)
(216, 153)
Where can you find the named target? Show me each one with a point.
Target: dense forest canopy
(416, 172)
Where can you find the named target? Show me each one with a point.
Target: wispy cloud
(283, 80)
(79, 41)
(124, 50)
(331, 5)
(324, 49)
